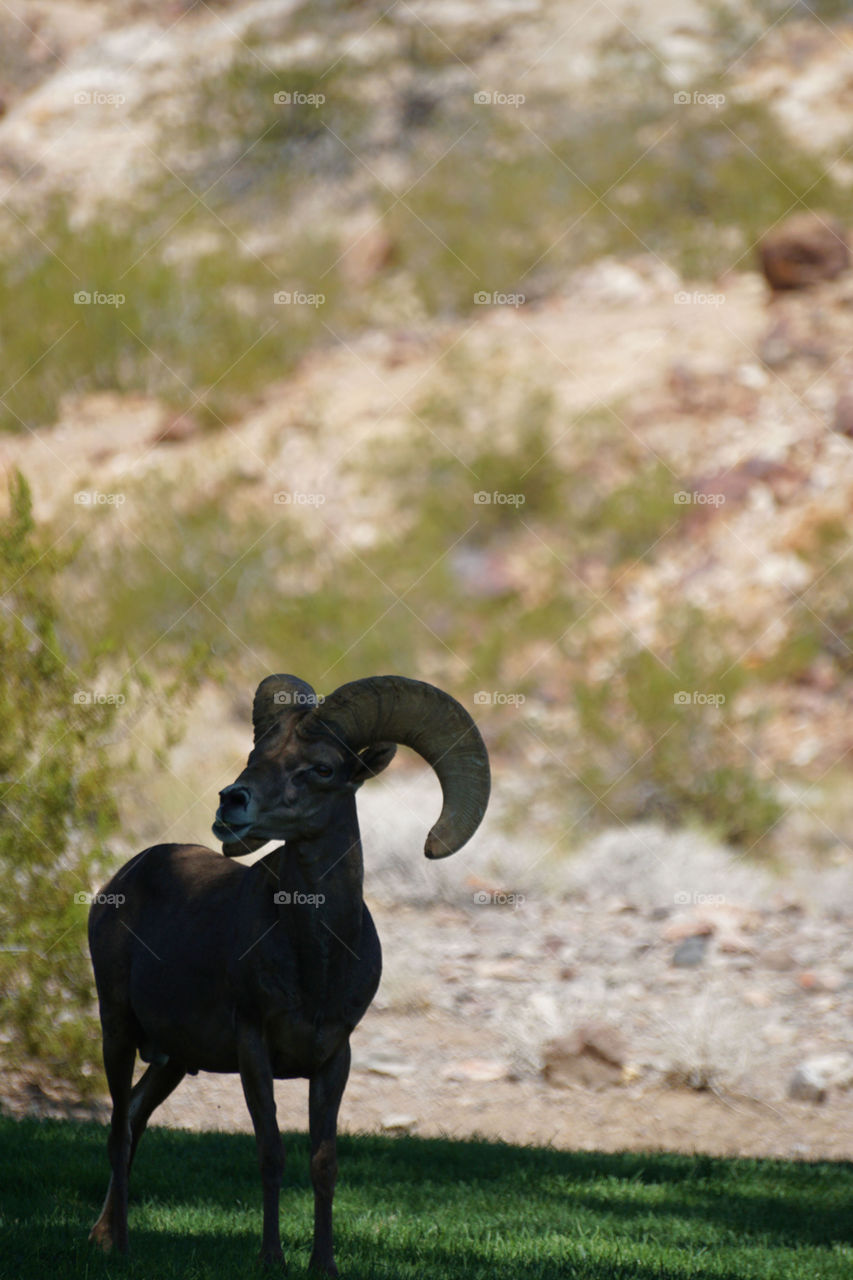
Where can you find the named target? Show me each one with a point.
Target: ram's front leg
(257, 1081)
(324, 1099)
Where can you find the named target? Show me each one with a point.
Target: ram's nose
(234, 797)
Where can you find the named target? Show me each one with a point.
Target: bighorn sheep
(209, 965)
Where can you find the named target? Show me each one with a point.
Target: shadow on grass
(420, 1207)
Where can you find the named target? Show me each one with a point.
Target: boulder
(593, 1055)
(814, 1077)
(804, 249)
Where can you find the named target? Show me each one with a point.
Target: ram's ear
(372, 760)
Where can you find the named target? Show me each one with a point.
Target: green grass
(418, 1208)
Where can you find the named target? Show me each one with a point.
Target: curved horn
(277, 697)
(417, 715)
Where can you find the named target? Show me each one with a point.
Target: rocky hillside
(343, 338)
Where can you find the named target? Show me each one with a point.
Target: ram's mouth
(230, 830)
(237, 840)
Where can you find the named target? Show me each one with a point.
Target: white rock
(399, 1124)
(813, 1078)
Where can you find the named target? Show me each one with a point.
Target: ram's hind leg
(324, 1100)
(147, 1094)
(119, 1056)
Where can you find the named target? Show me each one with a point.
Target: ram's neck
(320, 902)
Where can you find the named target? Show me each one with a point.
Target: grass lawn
(409, 1207)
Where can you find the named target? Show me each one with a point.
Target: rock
(477, 1070)
(779, 1033)
(399, 1124)
(804, 249)
(367, 255)
(691, 951)
(821, 979)
(779, 958)
(609, 281)
(813, 1078)
(618, 906)
(776, 348)
(843, 417)
(380, 1065)
(735, 944)
(687, 927)
(593, 1055)
(177, 430)
(503, 970)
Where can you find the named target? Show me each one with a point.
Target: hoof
(102, 1236)
(272, 1258)
(318, 1268)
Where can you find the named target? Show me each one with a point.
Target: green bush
(660, 738)
(56, 805)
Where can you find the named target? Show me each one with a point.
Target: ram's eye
(323, 770)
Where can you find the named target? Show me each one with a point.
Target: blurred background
(348, 338)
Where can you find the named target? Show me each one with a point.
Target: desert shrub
(57, 807)
(660, 738)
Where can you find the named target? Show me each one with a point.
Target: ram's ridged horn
(276, 698)
(417, 715)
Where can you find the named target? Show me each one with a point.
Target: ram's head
(309, 753)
